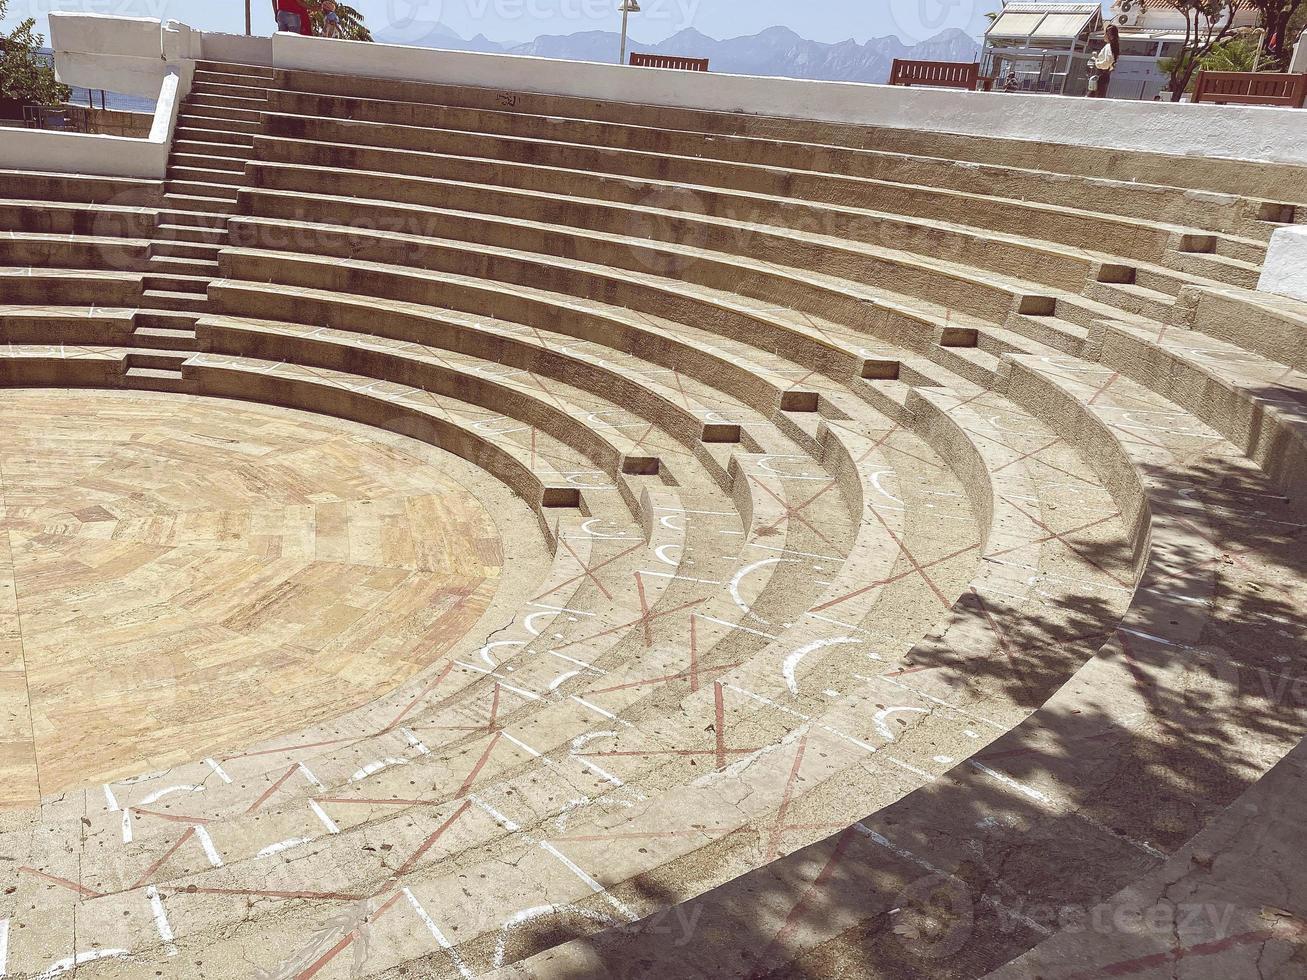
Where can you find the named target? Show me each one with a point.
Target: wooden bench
(668, 61)
(940, 74)
(1251, 88)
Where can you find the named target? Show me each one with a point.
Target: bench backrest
(668, 61)
(942, 74)
(1251, 88)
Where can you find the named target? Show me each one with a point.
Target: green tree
(25, 76)
(352, 27)
(1277, 16)
(1208, 23)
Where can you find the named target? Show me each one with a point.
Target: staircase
(213, 142)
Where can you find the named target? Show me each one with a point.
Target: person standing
(293, 17)
(1102, 64)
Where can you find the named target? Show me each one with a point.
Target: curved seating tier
(915, 510)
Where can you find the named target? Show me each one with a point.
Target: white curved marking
(739, 577)
(791, 663)
(662, 557)
(160, 794)
(375, 767)
(585, 529)
(563, 678)
(77, 959)
(581, 741)
(485, 650)
(669, 521)
(875, 482)
(883, 715)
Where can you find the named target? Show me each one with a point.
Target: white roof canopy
(1046, 21)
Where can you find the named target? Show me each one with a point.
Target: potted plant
(26, 76)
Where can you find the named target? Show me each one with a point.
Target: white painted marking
(882, 716)
(110, 800)
(597, 888)
(206, 842)
(4, 948)
(498, 817)
(127, 826)
(283, 845)
(791, 663)
(377, 766)
(218, 771)
(78, 959)
(161, 919)
(414, 742)
(439, 936)
(321, 814)
(308, 774)
(160, 794)
(607, 714)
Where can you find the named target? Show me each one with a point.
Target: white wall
(1238, 132)
(100, 155)
(1285, 271)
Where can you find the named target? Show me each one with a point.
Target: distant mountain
(775, 51)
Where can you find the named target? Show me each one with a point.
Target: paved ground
(182, 574)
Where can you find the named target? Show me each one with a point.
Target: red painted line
(644, 611)
(420, 695)
(289, 748)
(774, 839)
(659, 680)
(317, 965)
(72, 885)
(782, 937)
(1125, 968)
(694, 655)
(273, 788)
(719, 726)
(174, 817)
(893, 578)
(588, 570)
(427, 844)
(650, 618)
(476, 770)
(190, 832)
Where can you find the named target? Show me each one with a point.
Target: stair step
(206, 149)
(221, 137)
(204, 251)
(177, 283)
(199, 161)
(206, 176)
(172, 264)
(156, 361)
(258, 92)
(231, 77)
(170, 320)
(208, 234)
(201, 204)
(201, 108)
(195, 188)
(231, 101)
(233, 67)
(192, 119)
(164, 299)
(167, 338)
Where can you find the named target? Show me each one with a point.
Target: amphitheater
(477, 528)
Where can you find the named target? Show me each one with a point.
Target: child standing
(330, 19)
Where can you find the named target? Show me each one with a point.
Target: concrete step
(202, 189)
(163, 299)
(176, 282)
(203, 251)
(197, 118)
(236, 68)
(198, 134)
(206, 175)
(208, 233)
(183, 266)
(205, 148)
(201, 204)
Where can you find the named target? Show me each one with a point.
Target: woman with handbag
(1102, 64)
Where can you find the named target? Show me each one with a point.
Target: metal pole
(626, 13)
(249, 30)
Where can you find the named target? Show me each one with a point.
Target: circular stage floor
(179, 575)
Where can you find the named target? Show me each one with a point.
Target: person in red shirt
(293, 17)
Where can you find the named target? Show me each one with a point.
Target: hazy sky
(522, 20)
